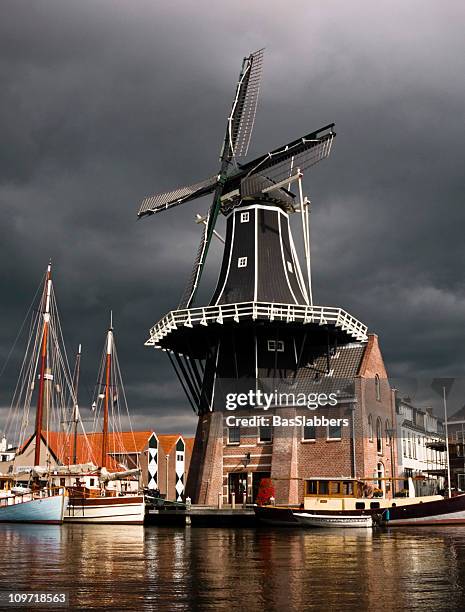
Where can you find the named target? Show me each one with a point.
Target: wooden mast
(76, 406)
(43, 364)
(107, 393)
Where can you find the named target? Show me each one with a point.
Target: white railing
(289, 313)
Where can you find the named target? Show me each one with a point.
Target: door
(237, 484)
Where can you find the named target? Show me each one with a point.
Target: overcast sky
(105, 101)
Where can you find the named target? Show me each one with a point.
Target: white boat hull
(29, 509)
(319, 520)
(126, 510)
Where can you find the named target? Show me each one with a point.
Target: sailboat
(37, 502)
(107, 501)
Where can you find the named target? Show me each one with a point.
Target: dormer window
(245, 217)
(242, 262)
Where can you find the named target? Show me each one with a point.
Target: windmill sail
(300, 154)
(193, 280)
(169, 199)
(244, 108)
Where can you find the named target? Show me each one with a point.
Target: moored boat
(341, 503)
(102, 504)
(43, 506)
(129, 509)
(446, 511)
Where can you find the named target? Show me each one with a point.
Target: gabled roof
(167, 441)
(89, 447)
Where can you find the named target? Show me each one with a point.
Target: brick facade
(221, 465)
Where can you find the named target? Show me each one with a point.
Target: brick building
(240, 457)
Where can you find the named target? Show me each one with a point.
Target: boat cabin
(353, 494)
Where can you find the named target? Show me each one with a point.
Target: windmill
(261, 329)
(271, 173)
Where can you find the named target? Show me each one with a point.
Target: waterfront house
(421, 447)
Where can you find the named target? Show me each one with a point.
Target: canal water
(137, 568)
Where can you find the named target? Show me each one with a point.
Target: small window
(179, 458)
(289, 267)
(334, 432)
(377, 388)
(374, 505)
(370, 428)
(388, 433)
(91, 482)
(308, 432)
(265, 433)
(245, 217)
(379, 436)
(234, 435)
(242, 262)
(323, 487)
(312, 487)
(359, 505)
(62, 482)
(276, 345)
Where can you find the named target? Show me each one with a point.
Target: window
(377, 388)
(179, 457)
(245, 217)
(312, 487)
(308, 432)
(379, 436)
(276, 345)
(334, 432)
(242, 262)
(289, 267)
(91, 482)
(404, 446)
(388, 435)
(265, 433)
(370, 428)
(234, 435)
(62, 482)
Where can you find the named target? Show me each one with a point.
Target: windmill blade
(162, 201)
(299, 154)
(242, 117)
(193, 281)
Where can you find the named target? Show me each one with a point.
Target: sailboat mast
(107, 395)
(77, 368)
(43, 364)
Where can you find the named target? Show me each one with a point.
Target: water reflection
(132, 568)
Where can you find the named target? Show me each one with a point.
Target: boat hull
(121, 510)
(450, 511)
(292, 517)
(34, 510)
(305, 519)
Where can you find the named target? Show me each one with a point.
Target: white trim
(255, 285)
(261, 311)
(282, 257)
(298, 270)
(263, 207)
(229, 260)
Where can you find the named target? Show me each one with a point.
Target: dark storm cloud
(102, 102)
